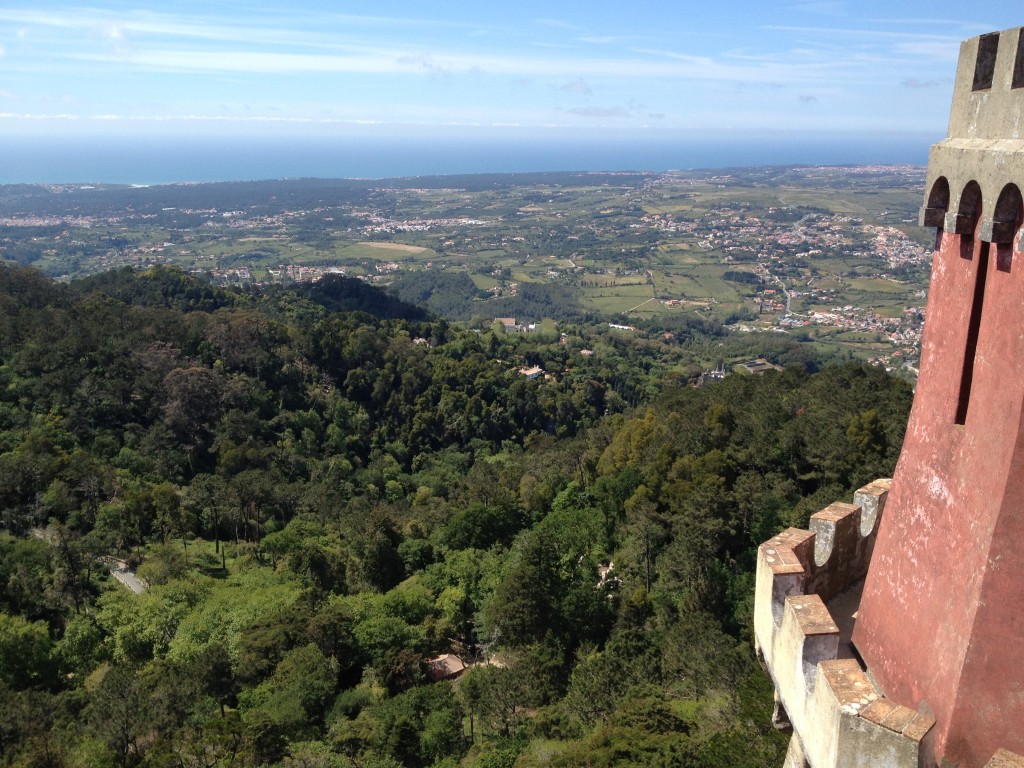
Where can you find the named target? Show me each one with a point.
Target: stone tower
(941, 623)
(934, 675)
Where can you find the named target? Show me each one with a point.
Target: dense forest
(324, 488)
(453, 295)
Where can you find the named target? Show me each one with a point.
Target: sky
(641, 70)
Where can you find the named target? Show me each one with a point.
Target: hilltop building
(758, 366)
(532, 372)
(894, 628)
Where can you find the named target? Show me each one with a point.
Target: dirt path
(118, 568)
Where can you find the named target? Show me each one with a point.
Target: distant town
(830, 255)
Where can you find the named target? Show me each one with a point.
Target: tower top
(989, 91)
(984, 150)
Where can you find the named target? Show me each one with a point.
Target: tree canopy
(324, 488)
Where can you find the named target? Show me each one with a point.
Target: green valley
(830, 255)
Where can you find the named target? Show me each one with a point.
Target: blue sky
(629, 69)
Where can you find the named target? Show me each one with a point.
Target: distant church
(894, 629)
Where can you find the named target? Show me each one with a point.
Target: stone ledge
(961, 161)
(932, 217)
(851, 687)
(898, 719)
(1005, 759)
(812, 615)
(787, 552)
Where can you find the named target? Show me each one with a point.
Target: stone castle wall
(838, 716)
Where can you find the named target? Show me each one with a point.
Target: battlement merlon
(985, 142)
(826, 560)
(838, 716)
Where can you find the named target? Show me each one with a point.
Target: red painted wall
(941, 623)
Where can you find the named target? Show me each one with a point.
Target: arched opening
(939, 196)
(934, 214)
(969, 208)
(1006, 222)
(968, 212)
(1009, 206)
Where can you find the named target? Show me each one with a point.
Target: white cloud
(931, 49)
(607, 39)
(400, 70)
(824, 8)
(271, 29)
(600, 111)
(365, 60)
(556, 24)
(424, 63)
(579, 85)
(185, 118)
(941, 43)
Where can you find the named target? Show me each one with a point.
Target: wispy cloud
(824, 8)
(368, 59)
(960, 25)
(609, 39)
(188, 118)
(111, 61)
(867, 34)
(425, 63)
(556, 24)
(936, 45)
(931, 49)
(268, 30)
(149, 41)
(603, 112)
(579, 85)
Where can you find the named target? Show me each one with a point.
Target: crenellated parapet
(838, 716)
(975, 175)
(824, 561)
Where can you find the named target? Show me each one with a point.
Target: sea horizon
(187, 159)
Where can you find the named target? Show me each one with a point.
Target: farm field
(781, 249)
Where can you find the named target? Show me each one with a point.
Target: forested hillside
(324, 488)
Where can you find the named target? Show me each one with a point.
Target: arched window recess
(965, 219)
(934, 213)
(1006, 220)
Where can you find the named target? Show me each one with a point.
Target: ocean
(179, 159)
